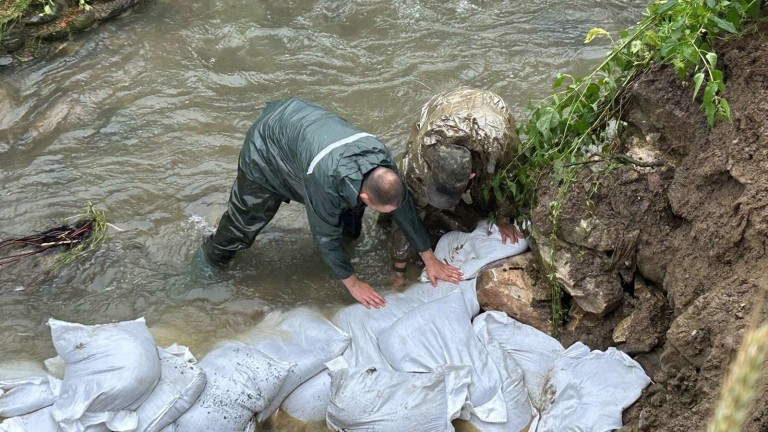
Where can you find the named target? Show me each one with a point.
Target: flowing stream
(145, 115)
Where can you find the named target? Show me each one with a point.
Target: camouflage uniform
(476, 122)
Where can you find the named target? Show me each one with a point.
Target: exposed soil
(680, 247)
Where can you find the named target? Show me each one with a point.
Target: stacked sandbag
(576, 389)
(387, 400)
(26, 395)
(439, 333)
(309, 401)
(242, 381)
(472, 251)
(111, 369)
(590, 390)
(181, 384)
(115, 379)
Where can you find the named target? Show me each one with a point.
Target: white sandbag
(301, 337)
(40, 421)
(364, 325)
(309, 401)
(23, 396)
(111, 369)
(375, 400)
(440, 333)
(591, 389)
(520, 412)
(534, 351)
(181, 383)
(472, 251)
(242, 380)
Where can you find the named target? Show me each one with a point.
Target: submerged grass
(97, 224)
(72, 240)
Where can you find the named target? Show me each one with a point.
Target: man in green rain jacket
(301, 152)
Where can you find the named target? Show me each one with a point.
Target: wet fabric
(477, 120)
(111, 369)
(297, 151)
(26, 395)
(375, 400)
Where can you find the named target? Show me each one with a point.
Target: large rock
(510, 286)
(583, 273)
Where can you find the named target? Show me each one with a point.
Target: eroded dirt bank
(667, 262)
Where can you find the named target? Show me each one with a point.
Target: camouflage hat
(449, 169)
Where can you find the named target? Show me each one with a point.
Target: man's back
(286, 139)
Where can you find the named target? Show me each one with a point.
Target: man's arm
(407, 218)
(327, 237)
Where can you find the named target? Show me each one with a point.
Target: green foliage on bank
(582, 117)
(12, 10)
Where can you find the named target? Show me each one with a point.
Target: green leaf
(712, 3)
(723, 24)
(712, 59)
(697, 80)
(652, 39)
(594, 33)
(497, 192)
(667, 6)
(559, 81)
(544, 123)
(726, 109)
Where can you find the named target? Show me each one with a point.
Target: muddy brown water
(144, 117)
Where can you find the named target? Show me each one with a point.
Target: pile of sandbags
(427, 358)
(115, 379)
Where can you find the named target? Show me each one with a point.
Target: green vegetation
(582, 118)
(72, 240)
(12, 10)
(96, 223)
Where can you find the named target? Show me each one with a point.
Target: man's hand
(438, 270)
(363, 292)
(508, 231)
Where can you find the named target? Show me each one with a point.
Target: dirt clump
(675, 254)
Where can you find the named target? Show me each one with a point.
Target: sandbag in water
(301, 337)
(242, 380)
(111, 369)
(181, 383)
(375, 400)
(444, 336)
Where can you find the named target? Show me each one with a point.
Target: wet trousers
(250, 208)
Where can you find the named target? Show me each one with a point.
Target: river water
(145, 115)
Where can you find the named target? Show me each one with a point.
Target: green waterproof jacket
(304, 153)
